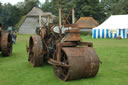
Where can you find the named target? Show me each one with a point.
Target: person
(10, 29)
(14, 37)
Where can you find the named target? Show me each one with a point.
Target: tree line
(10, 15)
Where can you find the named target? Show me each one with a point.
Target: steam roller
(6, 43)
(71, 58)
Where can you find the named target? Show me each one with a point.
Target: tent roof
(87, 22)
(114, 22)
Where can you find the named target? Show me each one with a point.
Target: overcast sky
(15, 1)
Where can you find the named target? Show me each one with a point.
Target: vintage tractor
(5, 43)
(71, 58)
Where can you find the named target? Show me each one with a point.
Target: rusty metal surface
(43, 33)
(6, 44)
(70, 25)
(89, 44)
(42, 46)
(35, 51)
(83, 62)
(69, 61)
(57, 63)
(73, 35)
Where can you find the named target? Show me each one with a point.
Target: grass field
(15, 70)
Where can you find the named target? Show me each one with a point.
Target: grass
(15, 70)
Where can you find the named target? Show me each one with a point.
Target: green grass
(16, 70)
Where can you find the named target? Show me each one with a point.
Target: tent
(114, 26)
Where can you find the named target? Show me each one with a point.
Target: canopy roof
(114, 22)
(87, 22)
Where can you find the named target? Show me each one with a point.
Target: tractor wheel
(35, 51)
(6, 44)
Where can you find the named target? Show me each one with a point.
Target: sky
(15, 1)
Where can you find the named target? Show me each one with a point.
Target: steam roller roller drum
(83, 63)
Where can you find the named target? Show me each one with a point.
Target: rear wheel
(6, 44)
(35, 51)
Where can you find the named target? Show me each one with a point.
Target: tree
(0, 12)
(20, 5)
(115, 7)
(83, 8)
(121, 7)
(93, 8)
(54, 5)
(29, 4)
(10, 15)
(108, 5)
(0, 7)
(46, 6)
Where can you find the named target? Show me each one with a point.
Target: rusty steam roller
(5, 42)
(71, 58)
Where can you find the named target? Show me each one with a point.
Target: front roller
(80, 62)
(35, 51)
(6, 44)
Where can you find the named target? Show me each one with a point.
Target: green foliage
(120, 8)
(115, 7)
(20, 5)
(46, 6)
(93, 8)
(29, 4)
(54, 5)
(0, 12)
(16, 70)
(10, 15)
(19, 22)
(83, 8)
